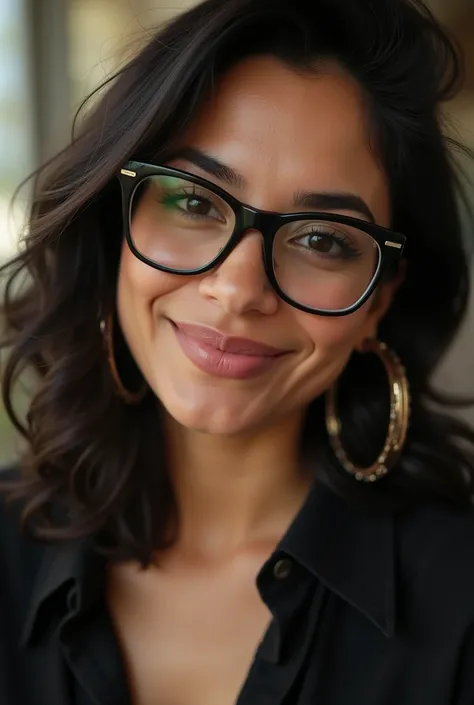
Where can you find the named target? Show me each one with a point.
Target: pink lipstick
(224, 356)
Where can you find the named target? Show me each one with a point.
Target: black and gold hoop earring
(398, 421)
(107, 330)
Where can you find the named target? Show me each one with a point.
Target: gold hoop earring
(106, 328)
(398, 422)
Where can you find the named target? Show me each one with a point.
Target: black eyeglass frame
(390, 243)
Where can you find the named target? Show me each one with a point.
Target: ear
(380, 304)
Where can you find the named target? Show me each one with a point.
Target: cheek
(140, 283)
(140, 289)
(335, 334)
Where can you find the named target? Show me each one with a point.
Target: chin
(217, 422)
(209, 409)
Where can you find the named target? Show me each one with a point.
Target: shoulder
(435, 562)
(434, 532)
(20, 554)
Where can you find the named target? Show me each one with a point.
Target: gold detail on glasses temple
(127, 172)
(393, 244)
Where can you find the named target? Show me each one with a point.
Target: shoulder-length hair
(100, 459)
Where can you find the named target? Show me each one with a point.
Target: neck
(233, 492)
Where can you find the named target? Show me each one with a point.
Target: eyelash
(176, 197)
(349, 251)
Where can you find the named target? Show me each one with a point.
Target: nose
(240, 284)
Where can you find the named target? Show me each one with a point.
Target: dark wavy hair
(102, 461)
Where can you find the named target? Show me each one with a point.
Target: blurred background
(53, 53)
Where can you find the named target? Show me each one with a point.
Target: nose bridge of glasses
(254, 219)
(262, 222)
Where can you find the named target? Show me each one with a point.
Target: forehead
(300, 129)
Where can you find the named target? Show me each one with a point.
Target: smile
(224, 356)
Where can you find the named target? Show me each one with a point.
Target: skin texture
(233, 444)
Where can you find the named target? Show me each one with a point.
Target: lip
(226, 343)
(221, 355)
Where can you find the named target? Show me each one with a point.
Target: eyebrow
(320, 201)
(333, 201)
(211, 166)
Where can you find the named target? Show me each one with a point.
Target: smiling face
(280, 134)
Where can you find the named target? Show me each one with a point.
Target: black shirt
(367, 610)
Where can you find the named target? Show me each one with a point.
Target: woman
(233, 491)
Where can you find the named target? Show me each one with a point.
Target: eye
(321, 242)
(326, 242)
(193, 205)
(197, 205)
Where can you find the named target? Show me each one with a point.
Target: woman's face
(283, 133)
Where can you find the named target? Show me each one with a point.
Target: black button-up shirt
(367, 610)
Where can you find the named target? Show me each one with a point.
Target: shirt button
(282, 569)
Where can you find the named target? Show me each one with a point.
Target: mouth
(226, 343)
(223, 355)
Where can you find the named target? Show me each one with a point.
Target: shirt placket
(295, 599)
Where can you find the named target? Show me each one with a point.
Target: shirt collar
(74, 566)
(349, 550)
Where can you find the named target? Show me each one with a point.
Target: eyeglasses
(321, 263)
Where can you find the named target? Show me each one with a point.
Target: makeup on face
(223, 355)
